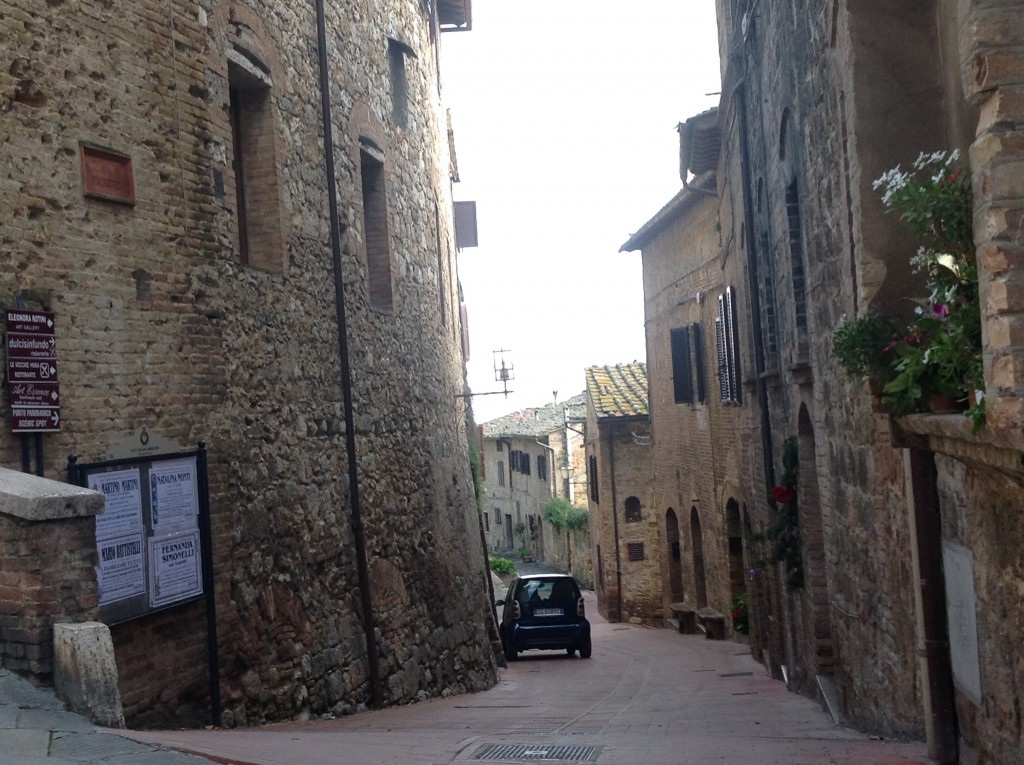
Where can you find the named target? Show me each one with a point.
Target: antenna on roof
(504, 371)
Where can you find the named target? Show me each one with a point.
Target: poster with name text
(122, 570)
(123, 511)
(173, 496)
(175, 569)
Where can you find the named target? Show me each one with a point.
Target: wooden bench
(712, 622)
(685, 617)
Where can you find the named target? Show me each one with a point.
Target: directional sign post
(32, 371)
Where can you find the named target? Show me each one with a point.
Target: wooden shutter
(720, 350)
(698, 358)
(732, 345)
(682, 376)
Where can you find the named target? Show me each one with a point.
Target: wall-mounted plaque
(107, 175)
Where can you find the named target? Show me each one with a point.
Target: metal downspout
(739, 95)
(358, 535)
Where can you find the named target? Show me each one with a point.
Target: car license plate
(547, 612)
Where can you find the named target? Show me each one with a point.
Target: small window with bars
(635, 551)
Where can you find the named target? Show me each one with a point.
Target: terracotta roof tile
(618, 391)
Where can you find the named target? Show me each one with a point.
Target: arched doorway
(699, 582)
(813, 539)
(737, 569)
(674, 554)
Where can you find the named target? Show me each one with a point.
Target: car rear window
(555, 590)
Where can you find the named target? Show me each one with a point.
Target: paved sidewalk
(36, 729)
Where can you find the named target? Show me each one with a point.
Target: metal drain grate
(537, 752)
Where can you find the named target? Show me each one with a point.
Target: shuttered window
(727, 348)
(682, 374)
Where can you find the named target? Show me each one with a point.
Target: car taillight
(581, 610)
(516, 613)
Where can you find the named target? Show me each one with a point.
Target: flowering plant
(783, 531)
(783, 494)
(940, 353)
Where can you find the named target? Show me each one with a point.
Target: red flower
(783, 494)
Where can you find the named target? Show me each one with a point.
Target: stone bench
(712, 622)
(685, 617)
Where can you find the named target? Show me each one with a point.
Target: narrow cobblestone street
(647, 696)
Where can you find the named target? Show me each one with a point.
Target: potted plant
(860, 345)
(939, 359)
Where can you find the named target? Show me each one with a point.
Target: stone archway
(674, 558)
(699, 581)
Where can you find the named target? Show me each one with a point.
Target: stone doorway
(699, 581)
(674, 563)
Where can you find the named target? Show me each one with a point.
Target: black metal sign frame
(140, 605)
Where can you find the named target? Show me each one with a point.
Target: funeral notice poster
(123, 508)
(173, 496)
(122, 569)
(175, 569)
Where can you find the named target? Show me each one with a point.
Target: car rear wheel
(570, 651)
(585, 650)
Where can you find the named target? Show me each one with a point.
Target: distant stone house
(625, 526)
(170, 205)
(695, 385)
(529, 457)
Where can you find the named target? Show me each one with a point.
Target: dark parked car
(544, 611)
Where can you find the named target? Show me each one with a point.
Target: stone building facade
(626, 526)
(530, 457)
(910, 566)
(167, 198)
(696, 411)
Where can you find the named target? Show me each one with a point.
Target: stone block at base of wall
(85, 673)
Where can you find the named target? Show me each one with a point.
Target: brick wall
(696, 450)
(46, 576)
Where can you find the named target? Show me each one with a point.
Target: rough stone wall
(854, 617)
(161, 323)
(828, 97)
(980, 511)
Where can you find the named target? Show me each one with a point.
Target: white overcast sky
(565, 115)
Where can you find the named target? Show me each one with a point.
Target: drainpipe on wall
(739, 96)
(358, 535)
